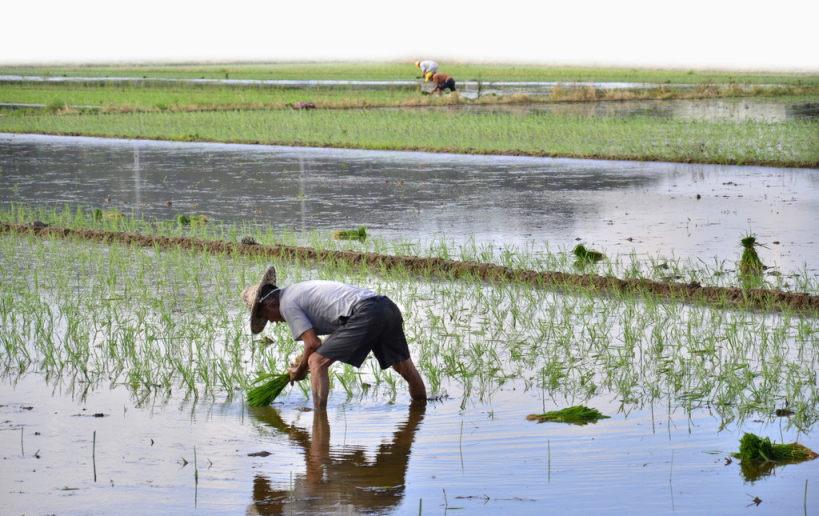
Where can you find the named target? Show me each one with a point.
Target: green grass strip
(791, 143)
(124, 97)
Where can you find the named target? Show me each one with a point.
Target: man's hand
(296, 374)
(296, 370)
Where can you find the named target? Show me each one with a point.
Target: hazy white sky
(733, 34)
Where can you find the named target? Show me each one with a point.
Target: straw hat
(251, 296)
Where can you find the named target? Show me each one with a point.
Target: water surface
(699, 212)
(365, 456)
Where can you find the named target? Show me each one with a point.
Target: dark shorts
(375, 325)
(450, 83)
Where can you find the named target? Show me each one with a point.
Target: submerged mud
(764, 299)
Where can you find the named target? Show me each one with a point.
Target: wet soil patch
(762, 299)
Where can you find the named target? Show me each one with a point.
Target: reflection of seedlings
(351, 234)
(577, 415)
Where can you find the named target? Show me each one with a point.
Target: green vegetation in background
(790, 143)
(407, 71)
(120, 97)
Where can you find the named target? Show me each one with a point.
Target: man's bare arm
(311, 344)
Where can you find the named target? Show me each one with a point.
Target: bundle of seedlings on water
(577, 415)
(351, 234)
(756, 449)
(585, 256)
(750, 262)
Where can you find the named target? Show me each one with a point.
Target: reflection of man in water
(337, 481)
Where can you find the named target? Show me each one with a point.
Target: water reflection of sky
(619, 207)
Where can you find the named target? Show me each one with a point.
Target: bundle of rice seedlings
(587, 255)
(750, 262)
(187, 220)
(755, 448)
(578, 415)
(351, 234)
(265, 393)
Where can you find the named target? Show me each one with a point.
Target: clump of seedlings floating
(755, 448)
(759, 456)
(194, 219)
(577, 415)
(351, 234)
(586, 256)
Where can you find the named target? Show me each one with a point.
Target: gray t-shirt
(319, 304)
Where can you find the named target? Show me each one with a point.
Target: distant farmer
(356, 321)
(426, 67)
(442, 81)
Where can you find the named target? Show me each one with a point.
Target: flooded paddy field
(120, 397)
(693, 212)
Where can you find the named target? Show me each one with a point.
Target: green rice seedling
(755, 448)
(272, 385)
(586, 256)
(351, 234)
(750, 262)
(759, 457)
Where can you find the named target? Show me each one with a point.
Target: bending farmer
(356, 321)
(426, 67)
(442, 81)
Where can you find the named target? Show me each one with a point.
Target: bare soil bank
(723, 297)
